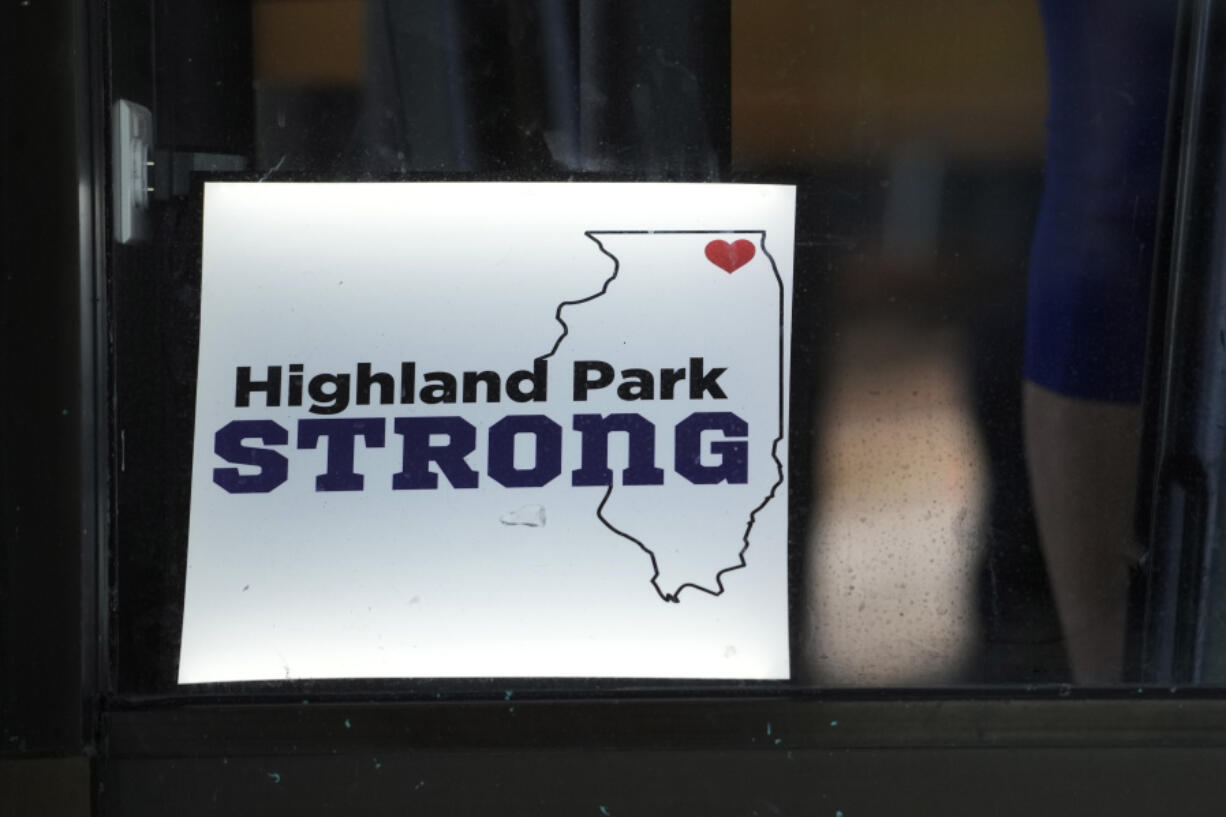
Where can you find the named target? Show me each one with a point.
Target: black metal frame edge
(52, 469)
(694, 723)
(1182, 440)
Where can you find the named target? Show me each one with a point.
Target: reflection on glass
(920, 128)
(898, 509)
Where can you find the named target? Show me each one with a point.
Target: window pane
(977, 198)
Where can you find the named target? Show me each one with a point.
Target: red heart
(730, 257)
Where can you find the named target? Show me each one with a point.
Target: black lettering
(441, 388)
(704, 381)
(669, 378)
(582, 384)
(327, 400)
(381, 379)
(493, 386)
(295, 384)
(244, 386)
(538, 378)
(408, 382)
(637, 384)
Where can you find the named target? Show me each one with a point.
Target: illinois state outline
(673, 297)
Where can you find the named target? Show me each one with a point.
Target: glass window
(978, 188)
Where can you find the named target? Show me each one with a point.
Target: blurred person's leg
(1109, 65)
(1083, 466)
(1021, 639)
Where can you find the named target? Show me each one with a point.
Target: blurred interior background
(922, 127)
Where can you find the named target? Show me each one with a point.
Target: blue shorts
(1109, 70)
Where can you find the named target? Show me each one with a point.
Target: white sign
(491, 430)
